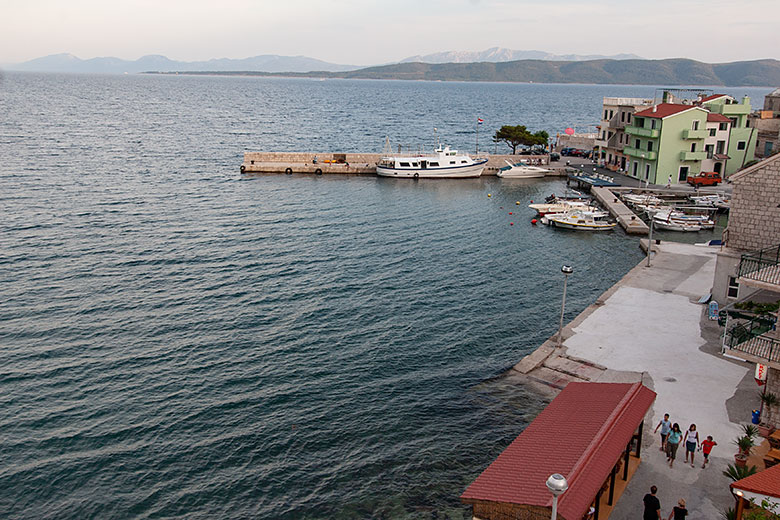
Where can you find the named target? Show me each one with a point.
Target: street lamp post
(566, 270)
(557, 485)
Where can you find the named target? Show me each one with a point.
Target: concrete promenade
(649, 327)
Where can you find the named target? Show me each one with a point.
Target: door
(683, 173)
(718, 167)
(423, 164)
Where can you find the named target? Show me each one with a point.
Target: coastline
(649, 327)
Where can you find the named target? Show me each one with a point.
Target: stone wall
(754, 218)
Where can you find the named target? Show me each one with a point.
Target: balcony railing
(643, 154)
(751, 338)
(693, 156)
(694, 134)
(761, 266)
(652, 133)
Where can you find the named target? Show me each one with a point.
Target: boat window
(452, 162)
(404, 165)
(415, 165)
(432, 163)
(462, 162)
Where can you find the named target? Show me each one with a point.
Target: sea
(178, 340)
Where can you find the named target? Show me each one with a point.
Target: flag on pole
(479, 121)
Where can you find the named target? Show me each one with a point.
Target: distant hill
(499, 54)
(762, 73)
(264, 63)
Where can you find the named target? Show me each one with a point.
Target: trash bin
(756, 416)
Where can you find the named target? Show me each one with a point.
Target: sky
(369, 32)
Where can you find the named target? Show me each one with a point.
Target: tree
(515, 136)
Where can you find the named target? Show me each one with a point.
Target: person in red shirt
(706, 448)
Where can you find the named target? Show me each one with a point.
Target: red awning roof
(765, 482)
(664, 110)
(721, 156)
(581, 434)
(713, 117)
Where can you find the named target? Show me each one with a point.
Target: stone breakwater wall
(357, 163)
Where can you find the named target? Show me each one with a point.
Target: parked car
(567, 151)
(555, 157)
(705, 179)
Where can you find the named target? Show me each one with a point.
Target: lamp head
(567, 269)
(557, 484)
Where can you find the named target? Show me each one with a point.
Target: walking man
(666, 426)
(652, 505)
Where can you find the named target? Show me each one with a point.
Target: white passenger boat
(521, 170)
(582, 221)
(672, 215)
(443, 164)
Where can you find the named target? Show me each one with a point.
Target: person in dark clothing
(652, 505)
(678, 512)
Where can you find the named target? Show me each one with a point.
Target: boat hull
(581, 227)
(457, 172)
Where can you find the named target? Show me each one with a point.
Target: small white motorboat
(583, 221)
(665, 221)
(521, 170)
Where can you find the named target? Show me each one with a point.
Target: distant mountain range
(264, 63)
(271, 62)
(489, 66)
(499, 54)
(758, 73)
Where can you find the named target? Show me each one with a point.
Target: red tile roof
(765, 482)
(717, 118)
(581, 435)
(664, 110)
(714, 96)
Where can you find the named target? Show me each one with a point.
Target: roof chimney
(655, 108)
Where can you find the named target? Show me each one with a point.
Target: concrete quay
(649, 327)
(359, 163)
(627, 219)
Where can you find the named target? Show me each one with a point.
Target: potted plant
(744, 444)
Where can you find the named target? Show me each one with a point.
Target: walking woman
(672, 443)
(691, 442)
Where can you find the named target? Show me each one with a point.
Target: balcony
(753, 340)
(651, 133)
(694, 134)
(642, 154)
(693, 156)
(761, 269)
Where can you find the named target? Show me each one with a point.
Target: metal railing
(761, 266)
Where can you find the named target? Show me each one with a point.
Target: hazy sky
(365, 32)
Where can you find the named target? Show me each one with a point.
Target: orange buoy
(510, 212)
(533, 221)
(511, 223)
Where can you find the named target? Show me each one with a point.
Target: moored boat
(444, 163)
(582, 221)
(521, 171)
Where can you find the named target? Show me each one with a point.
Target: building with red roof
(762, 488)
(586, 434)
(670, 142)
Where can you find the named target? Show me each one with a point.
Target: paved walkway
(649, 327)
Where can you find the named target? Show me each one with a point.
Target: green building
(742, 138)
(670, 141)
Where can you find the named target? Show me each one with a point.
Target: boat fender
(288, 171)
(489, 195)
(416, 175)
(243, 168)
(511, 223)
(317, 172)
(533, 221)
